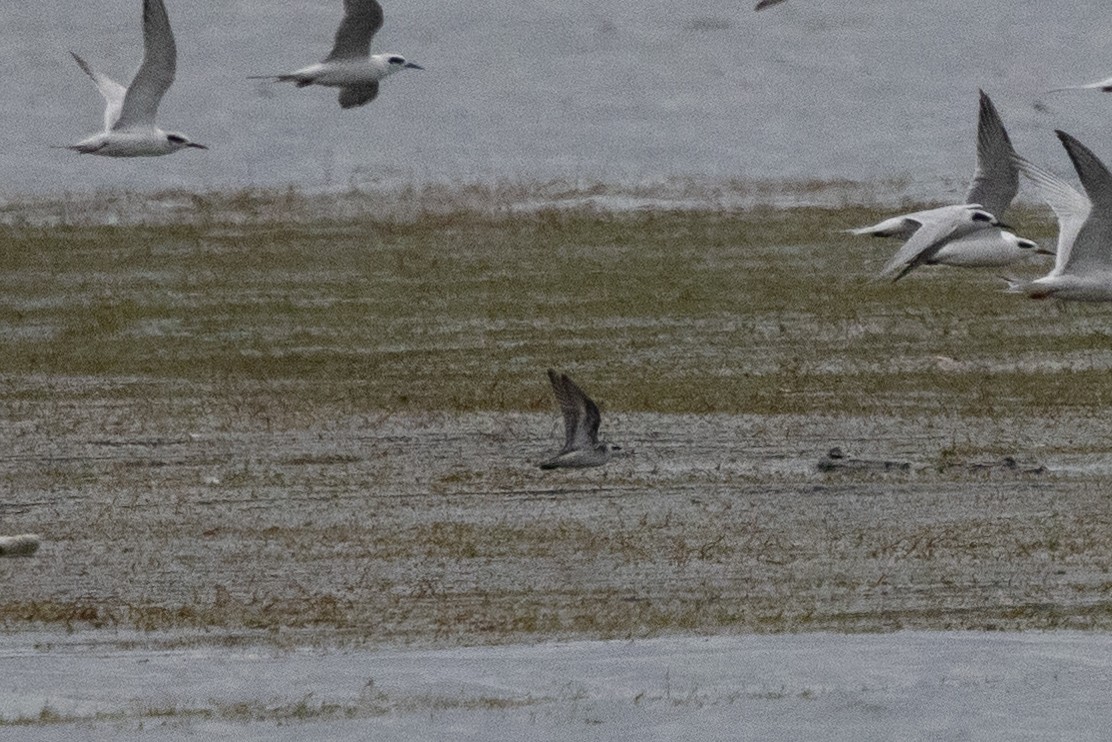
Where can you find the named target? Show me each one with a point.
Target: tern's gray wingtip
(986, 103)
(81, 63)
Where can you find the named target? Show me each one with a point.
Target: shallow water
(907, 685)
(621, 92)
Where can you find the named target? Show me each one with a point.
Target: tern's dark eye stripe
(175, 138)
(396, 60)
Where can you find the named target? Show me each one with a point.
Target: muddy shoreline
(438, 529)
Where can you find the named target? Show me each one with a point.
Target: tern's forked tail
(284, 77)
(85, 149)
(1030, 289)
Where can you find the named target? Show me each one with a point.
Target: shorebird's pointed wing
(589, 419)
(155, 74)
(1071, 208)
(362, 19)
(568, 408)
(996, 179)
(1092, 249)
(358, 96)
(112, 91)
(767, 4)
(581, 415)
(938, 227)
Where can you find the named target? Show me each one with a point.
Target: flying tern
(582, 447)
(988, 243)
(129, 114)
(350, 66)
(938, 228)
(1083, 269)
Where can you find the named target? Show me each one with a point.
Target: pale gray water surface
(633, 91)
(906, 685)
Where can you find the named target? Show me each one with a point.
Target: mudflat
(325, 428)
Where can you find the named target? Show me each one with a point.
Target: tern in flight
(582, 447)
(1083, 268)
(350, 66)
(969, 234)
(129, 128)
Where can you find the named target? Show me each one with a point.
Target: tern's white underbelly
(341, 74)
(987, 248)
(1089, 287)
(132, 143)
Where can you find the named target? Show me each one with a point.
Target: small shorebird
(1083, 269)
(350, 66)
(129, 127)
(994, 185)
(581, 420)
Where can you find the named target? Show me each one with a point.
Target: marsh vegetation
(246, 417)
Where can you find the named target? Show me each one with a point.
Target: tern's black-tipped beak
(414, 66)
(197, 146)
(1002, 225)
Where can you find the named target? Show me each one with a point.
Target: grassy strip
(762, 310)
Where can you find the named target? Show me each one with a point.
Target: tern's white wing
(902, 226)
(941, 226)
(1092, 249)
(996, 179)
(155, 74)
(1071, 208)
(112, 91)
(362, 19)
(1104, 85)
